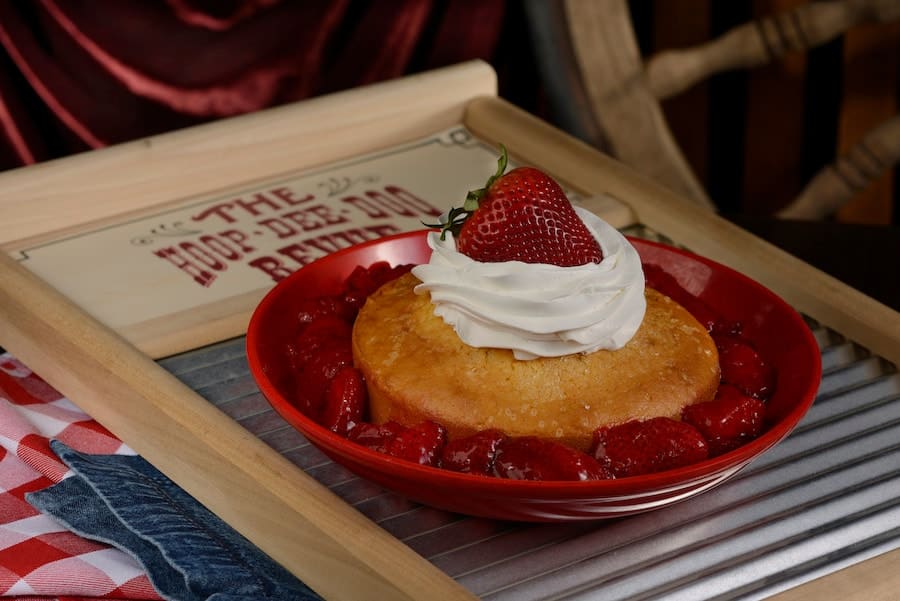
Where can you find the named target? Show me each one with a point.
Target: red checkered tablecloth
(39, 559)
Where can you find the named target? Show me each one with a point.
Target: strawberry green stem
(458, 215)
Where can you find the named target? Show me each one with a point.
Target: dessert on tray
(417, 368)
(533, 345)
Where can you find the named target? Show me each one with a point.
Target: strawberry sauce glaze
(329, 390)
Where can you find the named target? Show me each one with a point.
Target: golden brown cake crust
(417, 368)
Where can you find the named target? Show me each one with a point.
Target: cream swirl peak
(539, 310)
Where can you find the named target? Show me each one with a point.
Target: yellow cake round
(417, 368)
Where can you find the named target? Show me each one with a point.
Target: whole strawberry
(525, 216)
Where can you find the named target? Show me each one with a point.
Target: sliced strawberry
(345, 400)
(380, 272)
(473, 454)
(366, 280)
(744, 368)
(311, 309)
(728, 421)
(357, 287)
(328, 328)
(641, 447)
(317, 373)
(377, 437)
(421, 443)
(399, 270)
(325, 332)
(363, 281)
(532, 458)
(523, 215)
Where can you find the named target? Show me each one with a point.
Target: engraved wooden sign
(158, 279)
(153, 278)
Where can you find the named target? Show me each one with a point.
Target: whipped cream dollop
(539, 310)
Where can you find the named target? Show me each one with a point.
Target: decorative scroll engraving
(339, 185)
(173, 230)
(457, 137)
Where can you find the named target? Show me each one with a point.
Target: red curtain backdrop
(82, 74)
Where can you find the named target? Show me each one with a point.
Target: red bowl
(777, 330)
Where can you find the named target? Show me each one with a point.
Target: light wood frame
(276, 505)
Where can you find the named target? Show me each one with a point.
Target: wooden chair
(606, 94)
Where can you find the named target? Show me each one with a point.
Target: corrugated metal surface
(826, 497)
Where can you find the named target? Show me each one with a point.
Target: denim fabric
(188, 553)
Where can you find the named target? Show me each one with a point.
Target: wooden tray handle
(334, 549)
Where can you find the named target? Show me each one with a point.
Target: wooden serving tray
(108, 369)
